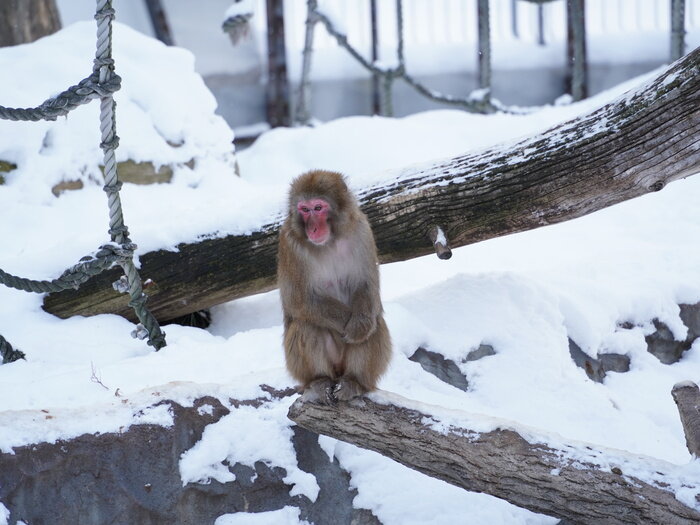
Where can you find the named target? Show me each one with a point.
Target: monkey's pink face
(314, 213)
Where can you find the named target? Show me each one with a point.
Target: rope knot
(112, 143)
(98, 62)
(105, 12)
(119, 230)
(121, 252)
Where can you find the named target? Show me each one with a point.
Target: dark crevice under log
(579, 483)
(634, 145)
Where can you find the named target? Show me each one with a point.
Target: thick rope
(86, 90)
(104, 67)
(8, 353)
(77, 274)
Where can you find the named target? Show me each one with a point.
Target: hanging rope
(102, 83)
(8, 353)
(104, 65)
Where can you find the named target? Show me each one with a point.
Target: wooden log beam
(634, 145)
(577, 482)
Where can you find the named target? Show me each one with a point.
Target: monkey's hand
(359, 328)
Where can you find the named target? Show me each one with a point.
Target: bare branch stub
(439, 240)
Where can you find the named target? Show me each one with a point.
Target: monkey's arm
(327, 312)
(365, 306)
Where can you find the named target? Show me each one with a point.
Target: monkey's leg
(365, 363)
(320, 391)
(312, 355)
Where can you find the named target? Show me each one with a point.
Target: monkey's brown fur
(335, 338)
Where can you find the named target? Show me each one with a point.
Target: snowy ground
(523, 294)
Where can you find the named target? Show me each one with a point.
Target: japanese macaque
(335, 339)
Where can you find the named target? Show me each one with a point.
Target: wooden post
(540, 25)
(303, 108)
(24, 21)
(687, 397)
(484, 31)
(576, 63)
(160, 22)
(677, 29)
(376, 97)
(277, 81)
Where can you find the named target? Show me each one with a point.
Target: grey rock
(597, 368)
(662, 344)
(444, 369)
(447, 370)
(482, 351)
(133, 478)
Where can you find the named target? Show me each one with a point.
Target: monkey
(336, 341)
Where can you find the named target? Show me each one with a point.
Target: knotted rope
(102, 84)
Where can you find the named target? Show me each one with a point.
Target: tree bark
(632, 146)
(24, 21)
(578, 482)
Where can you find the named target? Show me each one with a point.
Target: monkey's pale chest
(336, 272)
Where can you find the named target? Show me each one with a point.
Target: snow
(524, 294)
(230, 439)
(283, 516)
(240, 8)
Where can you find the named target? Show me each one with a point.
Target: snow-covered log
(577, 482)
(635, 145)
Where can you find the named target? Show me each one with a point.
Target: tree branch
(577, 482)
(634, 145)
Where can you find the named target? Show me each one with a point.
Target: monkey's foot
(347, 389)
(320, 391)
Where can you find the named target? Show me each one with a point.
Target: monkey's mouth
(318, 232)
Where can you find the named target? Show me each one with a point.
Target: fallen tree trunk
(577, 482)
(632, 146)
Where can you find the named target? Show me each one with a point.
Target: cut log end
(686, 394)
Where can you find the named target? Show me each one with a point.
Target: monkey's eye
(318, 207)
(305, 209)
